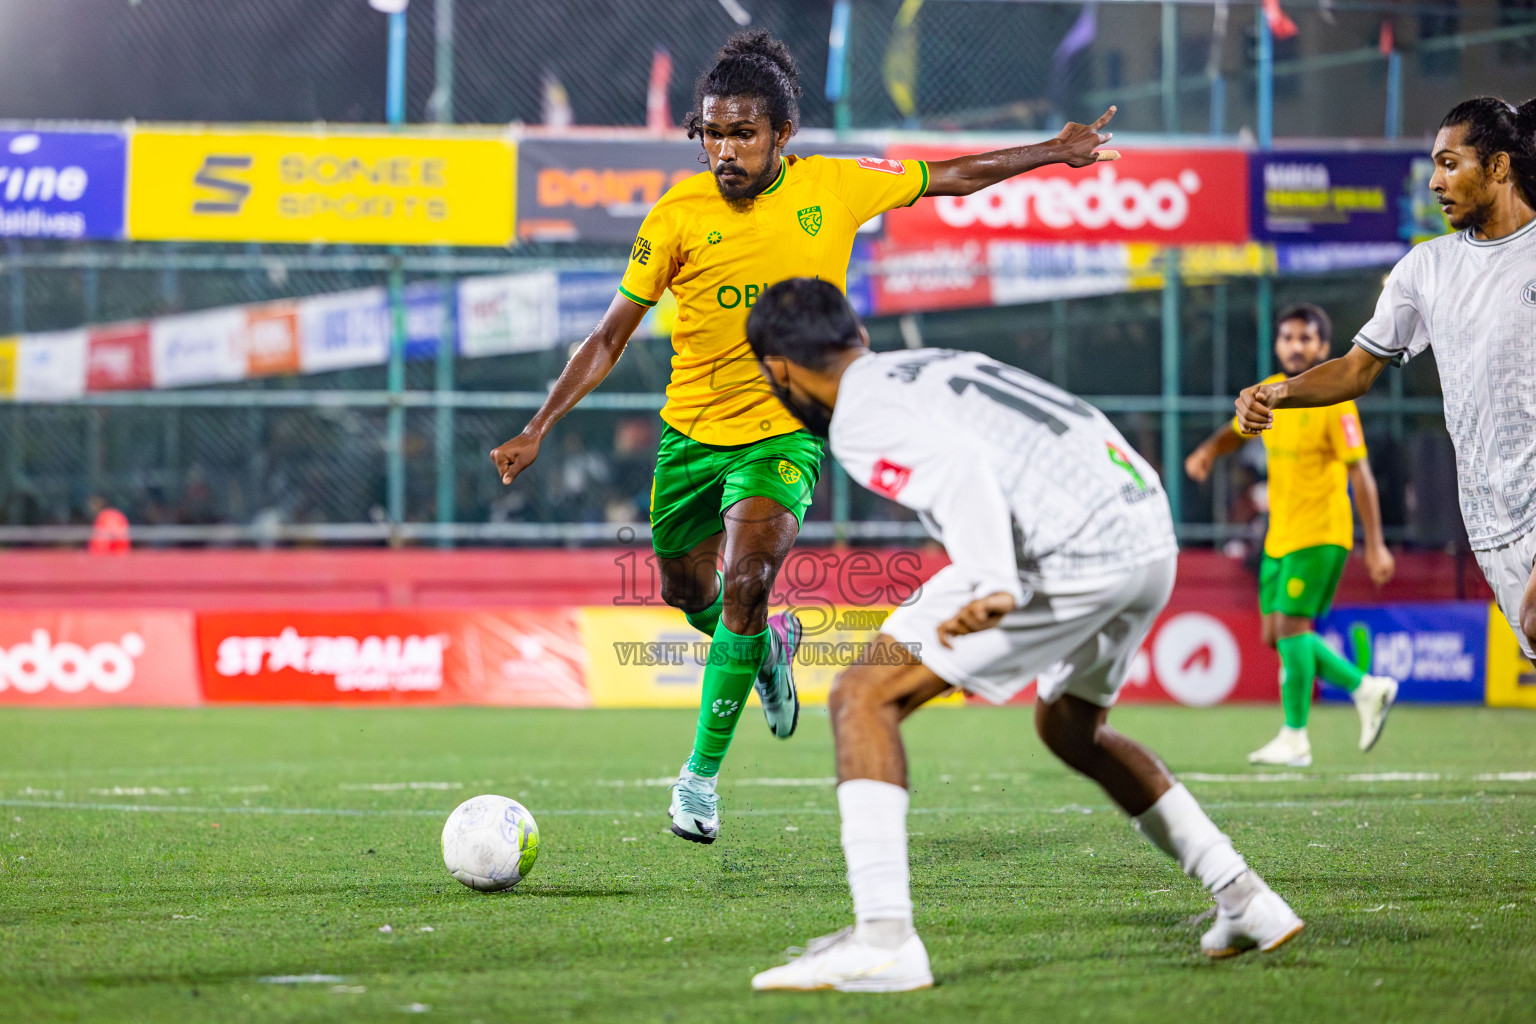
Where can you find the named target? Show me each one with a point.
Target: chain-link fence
(294, 459)
(965, 63)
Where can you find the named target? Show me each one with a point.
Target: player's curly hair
(1494, 126)
(750, 64)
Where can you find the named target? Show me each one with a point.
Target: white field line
(787, 812)
(386, 787)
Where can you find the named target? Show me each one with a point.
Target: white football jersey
(1474, 302)
(1014, 476)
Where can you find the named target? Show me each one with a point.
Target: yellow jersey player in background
(1316, 456)
(735, 470)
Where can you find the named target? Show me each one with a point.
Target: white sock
(1177, 826)
(875, 843)
(1294, 734)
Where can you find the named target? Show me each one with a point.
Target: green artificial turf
(158, 865)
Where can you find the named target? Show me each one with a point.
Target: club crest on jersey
(787, 472)
(1528, 293)
(810, 219)
(889, 478)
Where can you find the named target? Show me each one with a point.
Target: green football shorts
(1301, 583)
(695, 483)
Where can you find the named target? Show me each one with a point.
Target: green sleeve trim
(924, 190)
(632, 297)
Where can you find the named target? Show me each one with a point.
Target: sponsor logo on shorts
(1294, 586)
(787, 472)
(889, 478)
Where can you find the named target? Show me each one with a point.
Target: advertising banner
(1167, 196)
(97, 657)
(10, 351)
(62, 184)
(1511, 678)
(117, 358)
(595, 190)
(51, 366)
(427, 316)
(344, 330)
(270, 186)
(1438, 651)
(272, 339)
(508, 313)
(1310, 196)
(530, 657)
(198, 348)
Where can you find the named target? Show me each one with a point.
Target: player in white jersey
(1062, 553)
(1471, 296)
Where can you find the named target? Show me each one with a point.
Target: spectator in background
(109, 531)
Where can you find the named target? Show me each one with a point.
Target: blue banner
(62, 184)
(1308, 196)
(426, 316)
(1437, 651)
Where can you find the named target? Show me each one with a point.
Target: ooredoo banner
(98, 657)
(530, 657)
(1169, 196)
(62, 184)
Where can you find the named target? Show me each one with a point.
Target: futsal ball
(490, 843)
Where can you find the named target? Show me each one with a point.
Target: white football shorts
(1074, 637)
(1507, 570)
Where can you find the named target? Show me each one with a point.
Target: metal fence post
(1170, 67)
(443, 425)
(1266, 79)
(394, 443)
(1264, 315)
(1172, 455)
(1060, 343)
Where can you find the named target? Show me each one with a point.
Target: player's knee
(1068, 732)
(684, 594)
(1528, 622)
(747, 586)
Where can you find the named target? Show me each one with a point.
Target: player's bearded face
(1460, 181)
(741, 145)
(813, 416)
(1298, 346)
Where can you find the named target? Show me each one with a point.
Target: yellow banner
(8, 348)
(1511, 679)
(652, 658)
(268, 186)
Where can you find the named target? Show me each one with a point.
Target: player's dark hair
(1494, 126)
(805, 320)
(750, 64)
(1309, 313)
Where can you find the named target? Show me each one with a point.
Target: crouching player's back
(1062, 555)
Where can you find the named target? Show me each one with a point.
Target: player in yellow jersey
(1315, 457)
(735, 469)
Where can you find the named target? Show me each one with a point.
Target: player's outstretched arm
(1329, 383)
(1076, 145)
(1378, 559)
(1224, 441)
(584, 372)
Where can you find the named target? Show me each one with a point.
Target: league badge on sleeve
(889, 478)
(871, 163)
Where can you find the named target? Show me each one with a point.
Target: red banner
(529, 657)
(117, 359)
(97, 657)
(1170, 196)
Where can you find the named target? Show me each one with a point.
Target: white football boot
(841, 961)
(1373, 699)
(695, 808)
(1266, 922)
(1291, 749)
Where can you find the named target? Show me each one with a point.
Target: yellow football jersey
(717, 260)
(1309, 452)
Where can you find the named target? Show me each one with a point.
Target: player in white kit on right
(1062, 554)
(1471, 296)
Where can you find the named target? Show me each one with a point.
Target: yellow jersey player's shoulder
(690, 190)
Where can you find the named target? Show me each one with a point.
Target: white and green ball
(490, 843)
